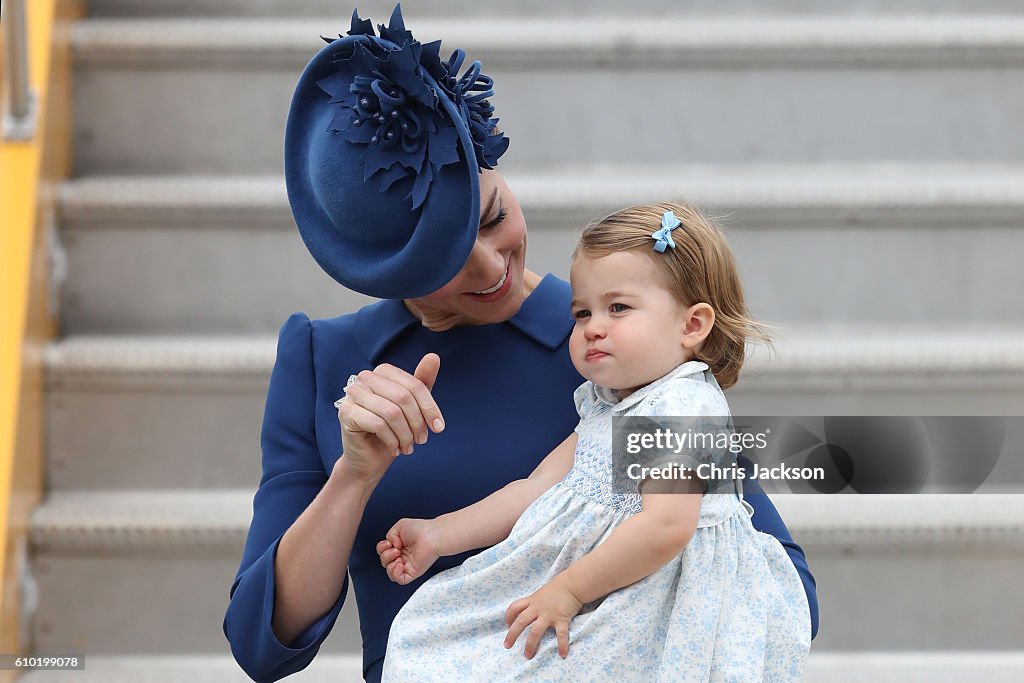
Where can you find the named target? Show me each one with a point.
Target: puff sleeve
(293, 474)
(584, 398)
(681, 404)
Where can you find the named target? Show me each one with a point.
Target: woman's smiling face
(492, 285)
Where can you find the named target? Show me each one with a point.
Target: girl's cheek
(576, 342)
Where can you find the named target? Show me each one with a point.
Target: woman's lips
(594, 355)
(498, 293)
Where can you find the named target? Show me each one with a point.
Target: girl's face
(492, 285)
(629, 330)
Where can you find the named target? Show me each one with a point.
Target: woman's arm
(490, 520)
(293, 488)
(293, 576)
(306, 577)
(766, 519)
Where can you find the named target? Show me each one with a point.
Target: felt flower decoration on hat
(387, 91)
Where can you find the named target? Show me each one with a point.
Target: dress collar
(544, 317)
(608, 396)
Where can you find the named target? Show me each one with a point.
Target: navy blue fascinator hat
(383, 150)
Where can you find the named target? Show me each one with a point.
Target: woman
(389, 156)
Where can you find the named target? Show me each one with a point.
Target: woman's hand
(554, 605)
(387, 411)
(411, 547)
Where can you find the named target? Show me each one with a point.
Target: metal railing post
(19, 120)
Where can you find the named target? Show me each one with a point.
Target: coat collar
(543, 317)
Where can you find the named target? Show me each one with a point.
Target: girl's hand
(554, 605)
(387, 412)
(411, 547)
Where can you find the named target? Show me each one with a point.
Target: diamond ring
(351, 380)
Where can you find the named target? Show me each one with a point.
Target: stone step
(129, 572)
(923, 243)
(914, 667)
(152, 412)
(728, 88)
(924, 40)
(822, 667)
(380, 10)
(925, 572)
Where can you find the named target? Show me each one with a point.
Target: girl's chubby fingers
(384, 545)
(395, 538)
(394, 570)
(537, 630)
(513, 611)
(562, 632)
(404, 574)
(524, 619)
(389, 556)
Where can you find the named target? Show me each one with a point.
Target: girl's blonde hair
(700, 269)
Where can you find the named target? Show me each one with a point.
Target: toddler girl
(614, 584)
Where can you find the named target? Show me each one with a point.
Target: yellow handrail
(28, 170)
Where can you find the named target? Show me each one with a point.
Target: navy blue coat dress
(506, 393)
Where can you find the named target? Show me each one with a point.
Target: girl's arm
(490, 520)
(641, 545)
(637, 548)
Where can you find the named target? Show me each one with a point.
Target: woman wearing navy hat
(389, 162)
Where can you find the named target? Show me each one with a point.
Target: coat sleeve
(293, 475)
(766, 519)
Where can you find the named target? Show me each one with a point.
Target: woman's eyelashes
(496, 221)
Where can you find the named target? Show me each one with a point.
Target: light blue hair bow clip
(663, 237)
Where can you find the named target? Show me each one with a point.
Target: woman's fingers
(426, 370)
(418, 386)
(356, 418)
(401, 401)
(391, 398)
(379, 396)
(426, 373)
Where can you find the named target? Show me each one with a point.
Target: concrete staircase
(866, 159)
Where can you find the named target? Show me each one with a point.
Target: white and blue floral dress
(729, 607)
